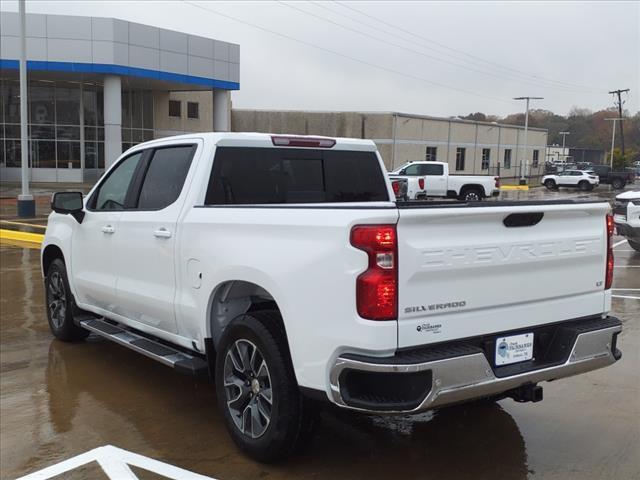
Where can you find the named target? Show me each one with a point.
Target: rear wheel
(584, 186)
(60, 304)
(617, 184)
(550, 184)
(635, 245)
(257, 392)
(471, 195)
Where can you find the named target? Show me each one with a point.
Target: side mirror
(68, 203)
(402, 172)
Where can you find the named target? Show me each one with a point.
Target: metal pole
(523, 165)
(613, 139)
(26, 204)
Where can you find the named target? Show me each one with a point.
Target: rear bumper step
(453, 372)
(181, 361)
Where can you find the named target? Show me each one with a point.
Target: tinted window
(113, 191)
(286, 175)
(436, 170)
(412, 170)
(165, 177)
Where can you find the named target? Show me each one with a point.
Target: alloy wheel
(248, 390)
(56, 299)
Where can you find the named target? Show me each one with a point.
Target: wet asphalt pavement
(58, 400)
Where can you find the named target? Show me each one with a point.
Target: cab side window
(165, 176)
(112, 193)
(412, 170)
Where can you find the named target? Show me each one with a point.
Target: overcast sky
(432, 58)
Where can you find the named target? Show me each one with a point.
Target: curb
(26, 237)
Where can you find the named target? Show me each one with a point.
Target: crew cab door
(93, 243)
(434, 178)
(145, 245)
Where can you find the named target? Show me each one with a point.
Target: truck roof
(254, 139)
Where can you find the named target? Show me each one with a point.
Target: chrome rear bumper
(466, 377)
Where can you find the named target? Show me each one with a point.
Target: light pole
(613, 136)
(564, 136)
(523, 166)
(26, 204)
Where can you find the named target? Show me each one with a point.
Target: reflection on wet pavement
(58, 400)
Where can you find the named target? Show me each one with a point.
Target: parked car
(626, 215)
(617, 180)
(439, 183)
(571, 179)
(283, 266)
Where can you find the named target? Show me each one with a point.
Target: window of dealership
(66, 120)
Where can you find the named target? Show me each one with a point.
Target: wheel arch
(232, 298)
(473, 186)
(49, 254)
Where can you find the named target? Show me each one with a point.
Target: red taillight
(497, 179)
(421, 183)
(377, 287)
(608, 280)
(396, 187)
(309, 142)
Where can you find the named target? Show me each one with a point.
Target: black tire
(291, 416)
(550, 184)
(634, 245)
(584, 186)
(61, 307)
(471, 194)
(617, 184)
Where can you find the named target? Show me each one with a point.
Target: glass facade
(60, 114)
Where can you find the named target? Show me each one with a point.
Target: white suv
(581, 179)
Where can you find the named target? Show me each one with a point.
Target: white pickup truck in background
(283, 267)
(439, 183)
(626, 215)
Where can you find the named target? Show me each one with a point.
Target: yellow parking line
(23, 224)
(32, 238)
(514, 187)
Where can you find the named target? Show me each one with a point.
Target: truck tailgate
(463, 272)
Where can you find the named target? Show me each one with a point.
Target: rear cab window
(251, 175)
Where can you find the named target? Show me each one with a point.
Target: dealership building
(469, 147)
(97, 86)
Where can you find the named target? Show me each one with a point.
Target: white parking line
(626, 266)
(619, 243)
(632, 289)
(625, 296)
(115, 462)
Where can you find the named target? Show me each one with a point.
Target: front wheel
(256, 388)
(60, 304)
(550, 184)
(634, 245)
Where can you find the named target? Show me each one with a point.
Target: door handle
(162, 233)
(108, 229)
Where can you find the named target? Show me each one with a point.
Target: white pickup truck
(283, 267)
(626, 216)
(438, 183)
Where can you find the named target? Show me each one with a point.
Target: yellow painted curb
(34, 238)
(515, 187)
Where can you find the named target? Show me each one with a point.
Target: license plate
(619, 218)
(514, 349)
